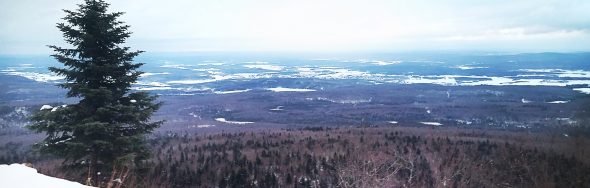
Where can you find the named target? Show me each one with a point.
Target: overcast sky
(317, 25)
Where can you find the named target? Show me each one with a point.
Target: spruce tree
(110, 121)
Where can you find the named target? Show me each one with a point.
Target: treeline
(377, 157)
(351, 157)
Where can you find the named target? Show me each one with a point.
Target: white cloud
(188, 25)
(510, 34)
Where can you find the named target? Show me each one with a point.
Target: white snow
(561, 72)
(191, 81)
(550, 77)
(383, 63)
(256, 62)
(153, 88)
(205, 126)
(207, 69)
(53, 109)
(282, 89)
(566, 120)
(493, 81)
(532, 75)
(46, 107)
(431, 123)
(264, 67)
(558, 102)
(278, 108)
(342, 101)
(525, 101)
(39, 77)
(392, 122)
(155, 84)
(133, 101)
(176, 66)
(210, 64)
(464, 122)
(244, 76)
(230, 92)
(539, 70)
(21, 176)
(333, 73)
(146, 74)
(441, 80)
(344, 74)
(466, 67)
(223, 120)
(219, 76)
(583, 90)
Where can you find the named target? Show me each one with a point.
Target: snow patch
(39, 77)
(154, 73)
(231, 92)
(207, 70)
(464, 122)
(383, 63)
(278, 108)
(264, 67)
(256, 62)
(561, 72)
(558, 102)
(203, 126)
(176, 66)
(583, 90)
(155, 84)
(18, 175)
(466, 67)
(440, 80)
(343, 101)
(46, 107)
(191, 81)
(282, 89)
(223, 120)
(152, 88)
(431, 123)
(525, 101)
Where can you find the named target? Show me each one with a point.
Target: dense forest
(350, 157)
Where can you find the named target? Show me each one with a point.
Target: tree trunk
(92, 179)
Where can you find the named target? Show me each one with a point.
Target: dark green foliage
(110, 121)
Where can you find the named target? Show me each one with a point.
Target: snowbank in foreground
(18, 175)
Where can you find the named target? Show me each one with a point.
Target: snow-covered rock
(21, 176)
(46, 107)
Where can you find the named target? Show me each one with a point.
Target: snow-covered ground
(265, 67)
(223, 120)
(282, 89)
(431, 123)
(21, 176)
(231, 92)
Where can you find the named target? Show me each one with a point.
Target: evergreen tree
(109, 121)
